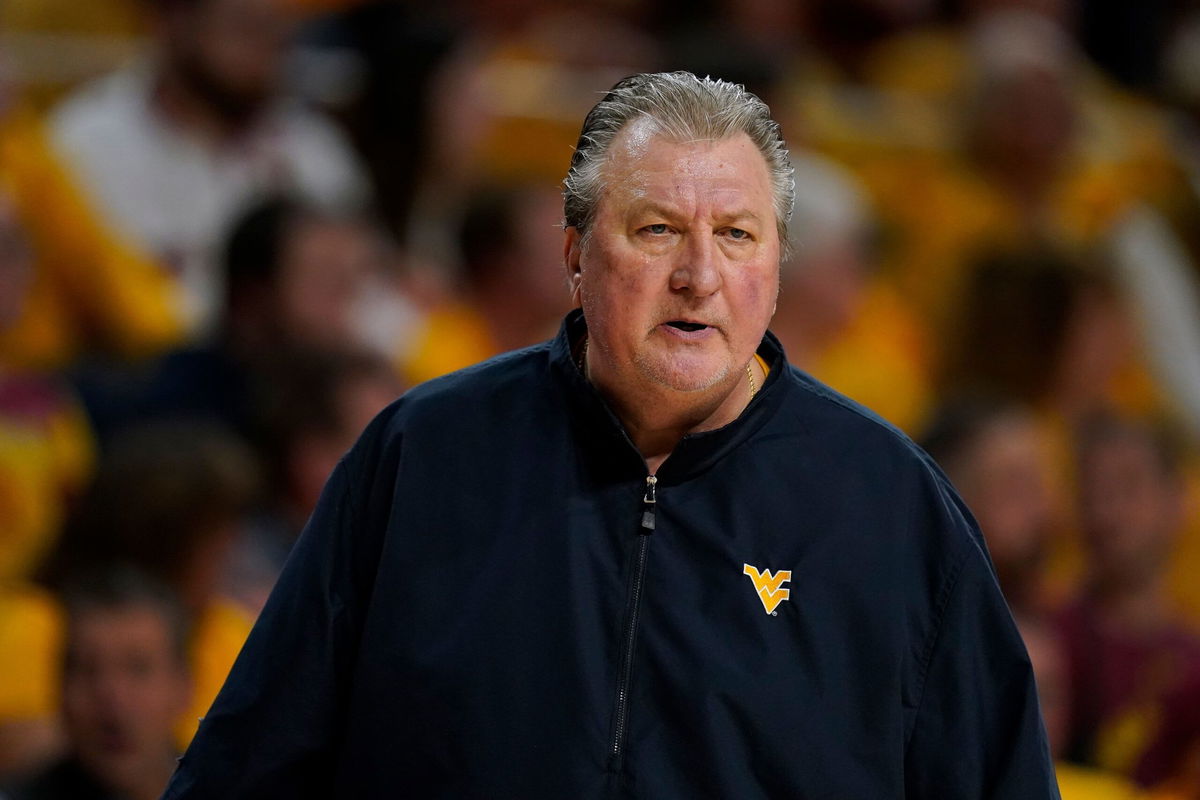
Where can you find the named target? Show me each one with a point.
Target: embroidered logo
(769, 587)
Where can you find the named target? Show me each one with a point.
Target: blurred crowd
(231, 231)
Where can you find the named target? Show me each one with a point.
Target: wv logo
(769, 587)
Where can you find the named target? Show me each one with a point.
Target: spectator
(69, 287)
(505, 101)
(1049, 659)
(168, 498)
(174, 147)
(45, 463)
(301, 277)
(1057, 337)
(45, 444)
(1130, 655)
(836, 317)
(124, 683)
(296, 279)
(392, 51)
(1019, 167)
(992, 453)
(512, 291)
(316, 405)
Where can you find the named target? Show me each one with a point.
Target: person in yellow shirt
(46, 455)
(511, 294)
(836, 317)
(83, 290)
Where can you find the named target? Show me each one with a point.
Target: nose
(698, 272)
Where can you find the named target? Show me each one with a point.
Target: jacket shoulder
(475, 398)
(840, 417)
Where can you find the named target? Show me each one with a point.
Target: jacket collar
(605, 438)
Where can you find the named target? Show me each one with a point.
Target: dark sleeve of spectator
(274, 728)
(978, 731)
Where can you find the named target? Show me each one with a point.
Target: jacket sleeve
(978, 731)
(273, 730)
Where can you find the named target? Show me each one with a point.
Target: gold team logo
(769, 587)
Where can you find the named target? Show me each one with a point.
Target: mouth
(683, 325)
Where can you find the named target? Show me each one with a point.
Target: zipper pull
(650, 498)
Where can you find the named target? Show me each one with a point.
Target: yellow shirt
(88, 288)
(452, 337)
(1080, 783)
(46, 455)
(881, 361)
(218, 638)
(30, 652)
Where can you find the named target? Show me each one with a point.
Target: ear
(572, 254)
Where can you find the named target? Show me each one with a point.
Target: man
(647, 559)
(168, 497)
(1134, 661)
(994, 452)
(1048, 656)
(510, 290)
(176, 146)
(125, 682)
(296, 280)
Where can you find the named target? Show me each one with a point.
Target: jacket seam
(344, 463)
(926, 660)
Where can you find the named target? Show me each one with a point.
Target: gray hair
(681, 107)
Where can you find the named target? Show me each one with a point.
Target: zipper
(621, 717)
(648, 502)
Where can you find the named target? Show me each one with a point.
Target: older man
(646, 559)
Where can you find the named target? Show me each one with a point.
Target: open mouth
(686, 326)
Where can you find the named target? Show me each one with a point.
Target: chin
(684, 377)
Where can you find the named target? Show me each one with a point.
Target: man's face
(231, 51)
(1004, 480)
(1130, 510)
(328, 267)
(679, 274)
(123, 690)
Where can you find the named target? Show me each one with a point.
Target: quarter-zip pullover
(494, 600)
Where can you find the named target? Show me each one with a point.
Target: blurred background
(231, 231)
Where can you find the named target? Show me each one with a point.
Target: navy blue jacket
(491, 601)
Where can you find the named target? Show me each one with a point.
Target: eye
(738, 234)
(657, 229)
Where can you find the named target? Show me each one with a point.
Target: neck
(185, 108)
(148, 783)
(657, 418)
